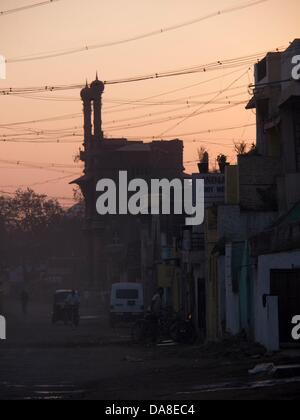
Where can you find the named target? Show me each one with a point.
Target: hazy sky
(75, 23)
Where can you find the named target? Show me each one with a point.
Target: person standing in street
(73, 305)
(24, 302)
(156, 310)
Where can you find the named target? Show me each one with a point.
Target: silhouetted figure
(73, 305)
(24, 302)
(156, 309)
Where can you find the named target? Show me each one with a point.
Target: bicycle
(149, 329)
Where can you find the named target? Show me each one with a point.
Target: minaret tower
(87, 112)
(96, 90)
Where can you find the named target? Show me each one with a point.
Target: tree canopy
(29, 213)
(34, 227)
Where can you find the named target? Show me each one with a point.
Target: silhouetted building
(114, 242)
(198, 278)
(272, 175)
(255, 236)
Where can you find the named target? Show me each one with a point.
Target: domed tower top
(97, 86)
(86, 93)
(97, 89)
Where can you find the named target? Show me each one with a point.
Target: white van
(127, 302)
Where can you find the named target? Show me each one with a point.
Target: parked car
(127, 302)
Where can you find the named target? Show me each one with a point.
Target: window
(209, 190)
(129, 294)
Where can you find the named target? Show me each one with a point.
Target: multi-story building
(196, 273)
(276, 251)
(114, 251)
(256, 232)
(276, 98)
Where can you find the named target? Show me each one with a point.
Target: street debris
(262, 369)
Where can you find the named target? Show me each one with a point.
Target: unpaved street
(41, 361)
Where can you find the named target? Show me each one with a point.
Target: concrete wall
(266, 319)
(236, 225)
(288, 140)
(292, 182)
(232, 185)
(257, 172)
(211, 276)
(232, 299)
(222, 290)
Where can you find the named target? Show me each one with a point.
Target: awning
(82, 180)
(251, 104)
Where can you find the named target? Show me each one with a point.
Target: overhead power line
(52, 167)
(56, 118)
(196, 112)
(274, 83)
(232, 63)
(41, 141)
(71, 51)
(40, 164)
(195, 133)
(36, 184)
(140, 102)
(65, 137)
(188, 104)
(180, 117)
(29, 6)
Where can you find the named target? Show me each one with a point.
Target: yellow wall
(169, 277)
(232, 185)
(212, 294)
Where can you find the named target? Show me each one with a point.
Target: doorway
(286, 285)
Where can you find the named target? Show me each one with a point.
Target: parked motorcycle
(183, 331)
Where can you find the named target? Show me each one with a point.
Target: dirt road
(42, 361)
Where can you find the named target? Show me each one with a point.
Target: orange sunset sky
(68, 24)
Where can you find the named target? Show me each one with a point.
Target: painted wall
(232, 188)
(222, 290)
(212, 284)
(232, 299)
(266, 320)
(236, 226)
